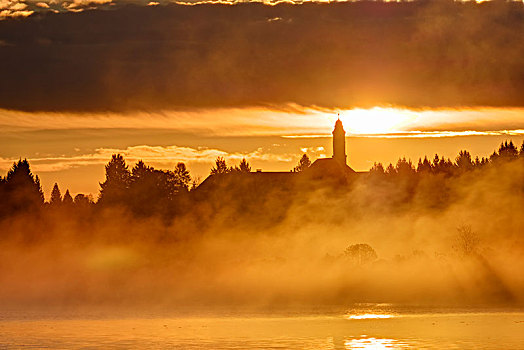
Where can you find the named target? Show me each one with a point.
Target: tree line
(464, 162)
(145, 190)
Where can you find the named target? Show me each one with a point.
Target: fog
(438, 241)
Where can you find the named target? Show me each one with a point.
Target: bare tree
(466, 241)
(361, 253)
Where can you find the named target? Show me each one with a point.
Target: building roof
(268, 178)
(322, 169)
(330, 165)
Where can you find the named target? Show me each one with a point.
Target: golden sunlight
(369, 317)
(377, 120)
(261, 174)
(373, 343)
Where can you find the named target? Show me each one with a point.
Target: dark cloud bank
(332, 55)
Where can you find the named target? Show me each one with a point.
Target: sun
(377, 120)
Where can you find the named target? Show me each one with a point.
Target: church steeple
(339, 143)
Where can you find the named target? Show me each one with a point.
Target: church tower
(339, 143)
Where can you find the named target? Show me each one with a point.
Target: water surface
(359, 327)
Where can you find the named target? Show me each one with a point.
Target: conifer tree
(56, 196)
(68, 199)
(435, 165)
(463, 161)
(507, 151)
(118, 178)
(377, 169)
(390, 169)
(220, 166)
(303, 164)
(424, 166)
(22, 189)
(404, 167)
(244, 166)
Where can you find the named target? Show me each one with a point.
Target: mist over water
(402, 260)
(320, 257)
(433, 240)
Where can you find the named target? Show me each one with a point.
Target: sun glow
(373, 343)
(369, 317)
(377, 120)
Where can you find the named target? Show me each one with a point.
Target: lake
(362, 326)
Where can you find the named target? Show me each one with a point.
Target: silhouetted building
(336, 167)
(339, 143)
(333, 170)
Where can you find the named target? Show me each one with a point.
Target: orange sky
(71, 149)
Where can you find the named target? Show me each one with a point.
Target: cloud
(339, 55)
(76, 5)
(158, 156)
(14, 8)
(221, 121)
(292, 121)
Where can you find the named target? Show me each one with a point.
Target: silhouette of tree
(22, 189)
(521, 152)
(377, 169)
(67, 200)
(2, 192)
(463, 161)
(168, 184)
(182, 175)
(154, 191)
(303, 164)
(144, 192)
(220, 167)
(466, 241)
(435, 164)
(244, 166)
(82, 201)
(509, 150)
(404, 167)
(195, 183)
(477, 163)
(506, 152)
(118, 178)
(424, 166)
(140, 170)
(56, 196)
(480, 162)
(390, 170)
(361, 253)
(147, 189)
(442, 165)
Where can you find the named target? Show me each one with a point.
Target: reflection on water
(371, 311)
(368, 317)
(374, 343)
(371, 328)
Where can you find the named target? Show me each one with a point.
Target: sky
(167, 82)
(71, 149)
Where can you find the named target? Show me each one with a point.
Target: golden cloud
(158, 156)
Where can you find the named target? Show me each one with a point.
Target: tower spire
(339, 142)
